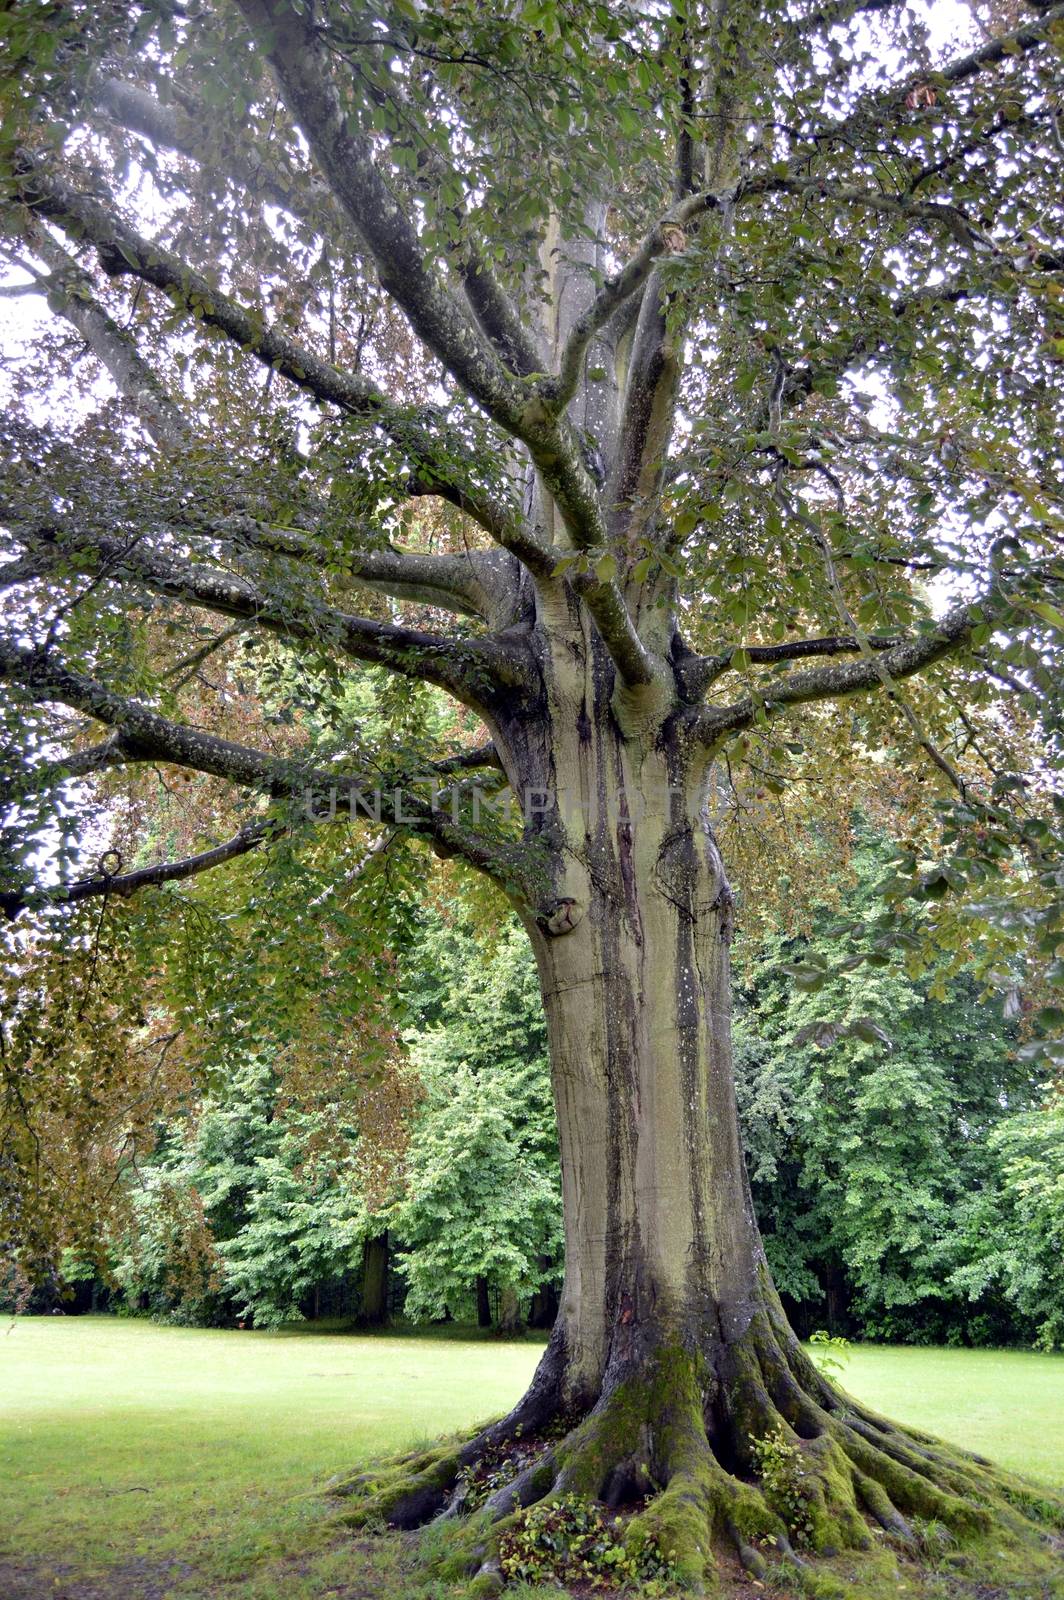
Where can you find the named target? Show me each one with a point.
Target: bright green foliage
(478, 1203)
(779, 1467)
(868, 1109)
(483, 1185)
(907, 1189)
(1014, 1226)
(240, 1215)
(250, 1205)
(830, 1351)
(307, 1224)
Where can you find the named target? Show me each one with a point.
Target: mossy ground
(154, 1463)
(820, 1497)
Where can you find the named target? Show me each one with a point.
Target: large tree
(687, 381)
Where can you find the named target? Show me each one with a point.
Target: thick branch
(697, 673)
(450, 582)
(346, 158)
(666, 235)
(468, 669)
(122, 250)
(607, 605)
(646, 418)
(171, 128)
(304, 73)
(70, 292)
(146, 735)
(711, 725)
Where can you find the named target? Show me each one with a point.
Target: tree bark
(661, 1241)
(483, 1303)
(671, 1362)
(373, 1300)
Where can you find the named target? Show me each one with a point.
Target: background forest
(908, 1172)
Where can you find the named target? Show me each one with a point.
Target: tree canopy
(664, 400)
(306, 458)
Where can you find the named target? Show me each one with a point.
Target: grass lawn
(144, 1462)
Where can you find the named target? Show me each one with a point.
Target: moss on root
(403, 1491)
(753, 1460)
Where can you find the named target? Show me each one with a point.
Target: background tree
(248, 1213)
(482, 1208)
(871, 1107)
(939, 1227)
(709, 335)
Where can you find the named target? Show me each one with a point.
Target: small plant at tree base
(571, 1540)
(496, 1470)
(779, 1466)
(933, 1537)
(831, 1351)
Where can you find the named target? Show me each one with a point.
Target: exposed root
(403, 1492)
(758, 1454)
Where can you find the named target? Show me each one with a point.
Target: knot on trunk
(560, 916)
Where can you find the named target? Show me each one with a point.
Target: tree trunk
(483, 1303)
(671, 1362)
(661, 1243)
(509, 1309)
(373, 1300)
(545, 1302)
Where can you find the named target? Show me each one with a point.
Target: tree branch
(458, 583)
(667, 235)
(70, 291)
(169, 127)
(873, 106)
(124, 251)
(934, 213)
(125, 884)
(837, 12)
(146, 735)
(697, 673)
(468, 669)
(304, 74)
(50, 774)
(712, 725)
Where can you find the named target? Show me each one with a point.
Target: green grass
(1005, 1404)
(139, 1461)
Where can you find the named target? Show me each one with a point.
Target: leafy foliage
(1013, 1228)
(868, 1110)
(779, 1467)
(571, 1540)
(483, 1183)
(907, 1181)
(243, 1212)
